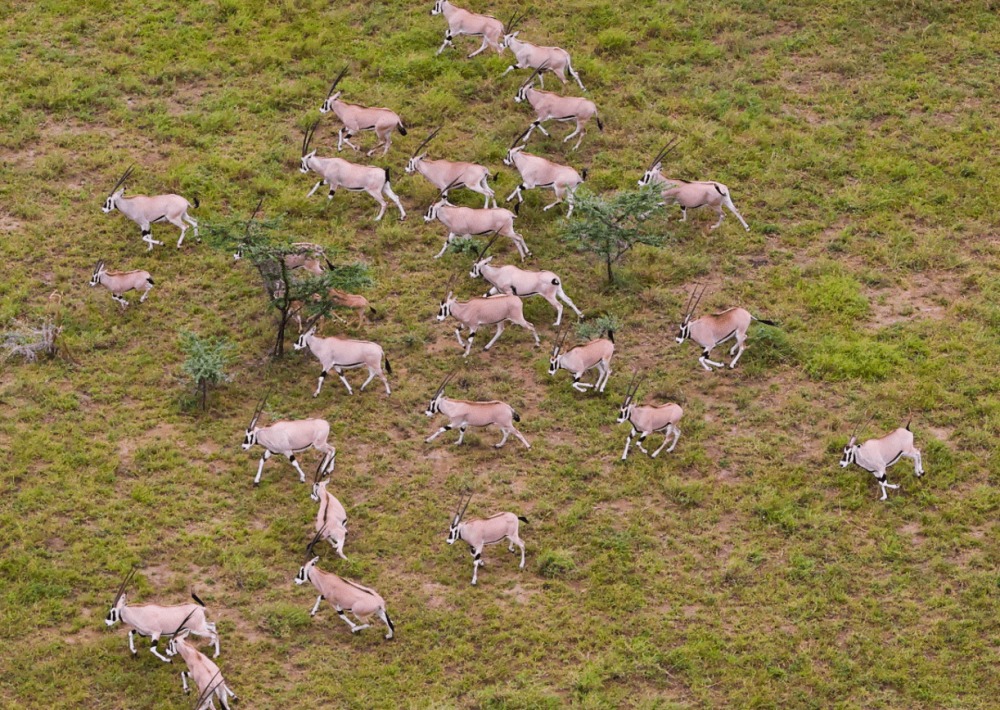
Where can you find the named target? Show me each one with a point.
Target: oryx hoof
(654, 454)
(497, 446)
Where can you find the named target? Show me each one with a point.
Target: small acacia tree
(206, 361)
(610, 227)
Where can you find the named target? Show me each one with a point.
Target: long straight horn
(312, 543)
(698, 300)
(466, 506)
(427, 140)
(121, 587)
(125, 176)
(181, 627)
(307, 139)
(447, 187)
(665, 151)
(686, 311)
(859, 426)
(210, 688)
(496, 235)
(523, 134)
(444, 383)
(258, 409)
(319, 469)
(335, 82)
(538, 70)
(514, 20)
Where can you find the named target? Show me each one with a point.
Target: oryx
(119, 282)
(689, 194)
(360, 118)
(646, 419)
(337, 172)
(552, 107)
(463, 414)
(331, 518)
(537, 171)
(144, 211)
(345, 354)
(479, 533)
(532, 56)
(289, 438)
(595, 354)
(462, 22)
(477, 312)
(201, 670)
(468, 221)
(446, 174)
(345, 595)
(714, 330)
(154, 621)
(876, 455)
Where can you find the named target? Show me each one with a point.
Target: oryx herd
(502, 303)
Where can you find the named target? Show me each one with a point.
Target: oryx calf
(595, 354)
(468, 221)
(552, 107)
(337, 172)
(360, 118)
(202, 671)
(477, 312)
(876, 455)
(356, 302)
(646, 419)
(331, 518)
(714, 330)
(446, 174)
(119, 282)
(345, 354)
(346, 596)
(144, 211)
(537, 171)
(462, 22)
(479, 533)
(532, 56)
(289, 438)
(462, 414)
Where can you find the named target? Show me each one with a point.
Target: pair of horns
(259, 409)
(121, 587)
(99, 265)
(463, 504)
(336, 81)
(666, 150)
(513, 22)
(538, 70)
(125, 176)
(493, 238)
(210, 688)
(444, 383)
(858, 425)
(633, 385)
(562, 337)
(523, 134)
(307, 138)
(444, 192)
(181, 627)
(692, 303)
(427, 140)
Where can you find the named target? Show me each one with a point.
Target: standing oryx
(539, 172)
(446, 174)
(201, 669)
(477, 312)
(331, 518)
(468, 221)
(876, 455)
(345, 354)
(289, 438)
(359, 118)
(118, 282)
(144, 211)
(646, 419)
(552, 107)
(463, 414)
(479, 533)
(462, 22)
(597, 353)
(518, 282)
(155, 621)
(712, 331)
(346, 596)
(337, 172)
(531, 56)
(689, 194)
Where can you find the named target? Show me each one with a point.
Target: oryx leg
(447, 41)
(516, 540)
(385, 620)
(178, 222)
(260, 466)
(477, 559)
(461, 434)
(603, 369)
(728, 202)
(295, 463)
(554, 302)
(884, 484)
(316, 187)
(500, 327)
(187, 218)
(538, 124)
(512, 67)
(381, 203)
(149, 287)
(316, 605)
(447, 241)
(468, 343)
(918, 461)
(562, 294)
(639, 441)
(575, 133)
(741, 338)
(371, 376)
(706, 363)
(319, 385)
(525, 324)
(718, 209)
(338, 546)
(387, 189)
(458, 334)
(340, 374)
(184, 683)
(344, 137)
(131, 642)
(121, 301)
(154, 642)
(517, 193)
(666, 437)
(506, 435)
(520, 437)
(572, 73)
(522, 247)
(438, 433)
(580, 386)
(628, 443)
(384, 139)
(484, 45)
(559, 192)
(684, 214)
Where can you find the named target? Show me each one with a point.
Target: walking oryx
(144, 211)
(289, 438)
(446, 174)
(345, 354)
(462, 22)
(531, 56)
(597, 353)
(712, 331)
(468, 221)
(118, 282)
(476, 312)
(479, 533)
(359, 118)
(876, 455)
(646, 419)
(201, 669)
(337, 172)
(539, 172)
(346, 596)
(154, 621)
(331, 518)
(552, 107)
(463, 414)
(689, 194)
(518, 282)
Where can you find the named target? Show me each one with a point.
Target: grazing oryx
(445, 174)
(484, 311)
(331, 518)
(690, 194)
(289, 438)
(552, 107)
(462, 22)
(345, 354)
(876, 455)
(479, 533)
(467, 221)
(356, 302)
(337, 172)
(531, 56)
(646, 419)
(346, 596)
(155, 621)
(463, 414)
(539, 172)
(596, 353)
(118, 282)
(518, 282)
(712, 331)
(358, 118)
(144, 211)
(201, 669)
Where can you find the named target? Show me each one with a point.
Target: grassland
(744, 570)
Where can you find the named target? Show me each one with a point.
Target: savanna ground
(744, 569)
